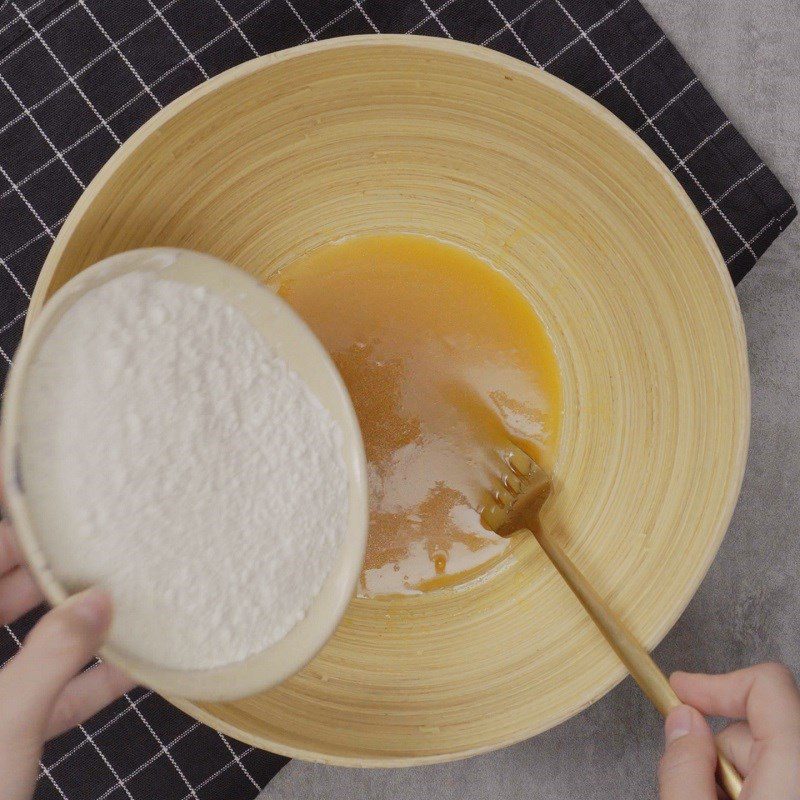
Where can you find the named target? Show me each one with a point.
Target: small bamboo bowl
(380, 134)
(38, 528)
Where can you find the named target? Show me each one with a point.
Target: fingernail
(679, 723)
(93, 607)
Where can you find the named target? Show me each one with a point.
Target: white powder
(170, 455)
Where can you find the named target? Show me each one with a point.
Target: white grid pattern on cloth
(54, 783)
(666, 105)
(115, 45)
(145, 764)
(761, 231)
(191, 56)
(360, 7)
(163, 749)
(569, 45)
(735, 186)
(514, 33)
(32, 38)
(21, 288)
(16, 20)
(122, 782)
(626, 70)
(224, 768)
(122, 55)
(104, 758)
(506, 20)
(331, 22)
(59, 155)
(45, 231)
(489, 39)
(178, 39)
(99, 730)
(15, 320)
(698, 147)
(241, 33)
(433, 15)
(70, 77)
(651, 123)
(238, 760)
(294, 11)
(35, 238)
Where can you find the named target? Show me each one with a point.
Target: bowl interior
(37, 526)
(376, 135)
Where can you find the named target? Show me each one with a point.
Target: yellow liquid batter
(444, 359)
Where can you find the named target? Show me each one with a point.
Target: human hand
(41, 692)
(765, 748)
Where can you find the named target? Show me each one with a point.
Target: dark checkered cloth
(77, 78)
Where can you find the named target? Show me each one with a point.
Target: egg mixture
(445, 359)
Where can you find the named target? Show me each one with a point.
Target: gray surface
(748, 607)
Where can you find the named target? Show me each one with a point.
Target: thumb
(62, 642)
(687, 767)
(58, 646)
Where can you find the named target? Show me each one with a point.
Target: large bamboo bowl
(374, 135)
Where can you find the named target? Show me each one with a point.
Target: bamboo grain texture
(637, 660)
(402, 134)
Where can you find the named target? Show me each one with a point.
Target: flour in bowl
(173, 457)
